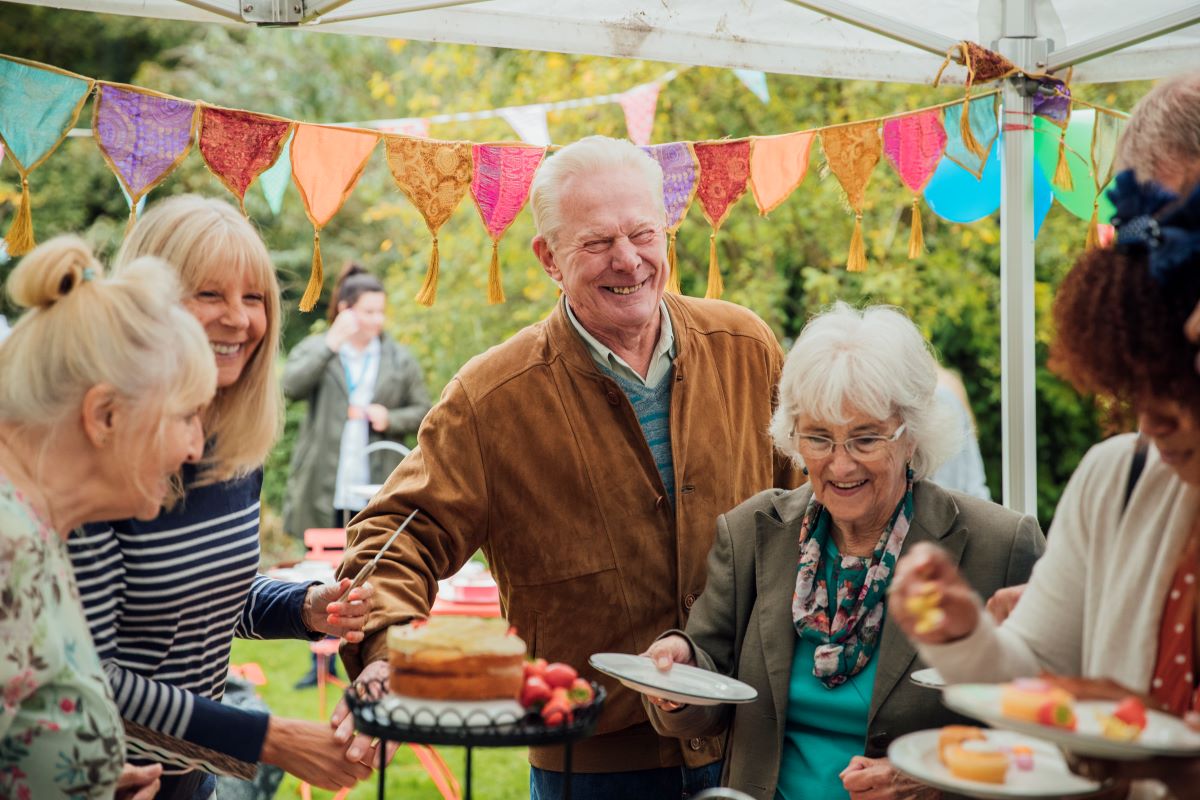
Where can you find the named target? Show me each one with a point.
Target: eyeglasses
(860, 448)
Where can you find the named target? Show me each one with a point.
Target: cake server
(369, 568)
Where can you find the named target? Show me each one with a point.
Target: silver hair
(1162, 141)
(875, 361)
(590, 155)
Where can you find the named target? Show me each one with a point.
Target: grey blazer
(742, 623)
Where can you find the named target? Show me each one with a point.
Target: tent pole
(892, 28)
(1019, 42)
(1126, 37)
(432, 5)
(212, 9)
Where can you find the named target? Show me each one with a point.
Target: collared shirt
(660, 360)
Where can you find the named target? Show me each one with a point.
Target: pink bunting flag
(640, 105)
(412, 126)
(914, 145)
(500, 187)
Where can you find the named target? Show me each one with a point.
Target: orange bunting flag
(724, 175)
(778, 165)
(914, 145)
(435, 177)
(238, 146)
(852, 152)
(326, 164)
(500, 187)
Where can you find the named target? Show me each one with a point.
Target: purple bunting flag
(143, 136)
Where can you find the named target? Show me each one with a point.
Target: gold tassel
(132, 219)
(1093, 234)
(964, 125)
(316, 278)
(856, 261)
(495, 290)
(715, 285)
(20, 235)
(428, 293)
(1062, 172)
(916, 240)
(673, 278)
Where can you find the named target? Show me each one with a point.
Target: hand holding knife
(369, 569)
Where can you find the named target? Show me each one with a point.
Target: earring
(908, 472)
(804, 470)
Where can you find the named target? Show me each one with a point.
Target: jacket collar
(566, 342)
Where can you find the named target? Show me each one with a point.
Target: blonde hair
(1162, 139)
(83, 329)
(203, 239)
(876, 361)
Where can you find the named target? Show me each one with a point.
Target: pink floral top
(60, 733)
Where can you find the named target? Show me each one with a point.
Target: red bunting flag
(238, 146)
(724, 173)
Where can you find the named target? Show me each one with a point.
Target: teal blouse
(825, 728)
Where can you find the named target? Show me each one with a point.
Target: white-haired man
(588, 456)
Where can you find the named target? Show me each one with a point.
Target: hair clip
(1152, 220)
(89, 273)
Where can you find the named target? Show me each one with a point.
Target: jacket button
(696, 743)
(612, 397)
(689, 601)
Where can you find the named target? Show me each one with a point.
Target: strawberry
(1057, 715)
(1132, 712)
(536, 666)
(535, 692)
(557, 710)
(581, 693)
(560, 675)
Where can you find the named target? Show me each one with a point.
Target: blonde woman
(101, 387)
(165, 598)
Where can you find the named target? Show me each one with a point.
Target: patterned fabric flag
(239, 146)
(724, 173)
(142, 136)
(529, 122)
(778, 165)
(276, 178)
(38, 106)
(435, 176)
(326, 164)
(756, 82)
(915, 144)
(680, 173)
(640, 104)
(500, 187)
(982, 118)
(852, 152)
(1105, 133)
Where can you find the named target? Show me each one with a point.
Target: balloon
(1043, 198)
(1078, 200)
(955, 195)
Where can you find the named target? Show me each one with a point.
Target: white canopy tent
(883, 40)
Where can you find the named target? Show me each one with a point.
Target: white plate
(929, 677)
(916, 755)
(682, 684)
(447, 713)
(1164, 735)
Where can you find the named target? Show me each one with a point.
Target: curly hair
(1120, 332)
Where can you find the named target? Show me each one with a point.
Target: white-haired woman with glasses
(796, 600)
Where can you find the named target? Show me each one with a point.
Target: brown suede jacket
(535, 456)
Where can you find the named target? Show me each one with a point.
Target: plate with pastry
(680, 684)
(974, 762)
(929, 677)
(1120, 730)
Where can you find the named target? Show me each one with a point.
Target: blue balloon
(956, 195)
(1043, 198)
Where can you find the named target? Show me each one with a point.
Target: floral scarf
(845, 643)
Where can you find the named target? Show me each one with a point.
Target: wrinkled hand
(311, 752)
(325, 612)
(360, 748)
(1002, 603)
(1181, 775)
(665, 653)
(138, 783)
(378, 417)
(926, 571)
(876, 779)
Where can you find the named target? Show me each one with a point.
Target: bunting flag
(640, 105)
(38, 106)
(276, 178)
(778, 165)
(983, 66)
(724, 173)
(914, 145)
(411, 126)
(756, 81)
(1105, 134)
(529, 122)
(981, 121)
(142, 135)
(326, 164)
(500, 187)
(852, 152)
(239, 146)
(680, 173)
(435, 177)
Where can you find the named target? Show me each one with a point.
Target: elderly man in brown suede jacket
(589, 457)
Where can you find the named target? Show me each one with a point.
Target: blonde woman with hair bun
(165, 597)
(101, 387)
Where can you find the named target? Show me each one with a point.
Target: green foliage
(784, 267)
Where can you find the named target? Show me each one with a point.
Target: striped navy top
(164, 600)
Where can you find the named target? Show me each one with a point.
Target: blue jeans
(666, 783)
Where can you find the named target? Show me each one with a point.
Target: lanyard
(352, 383)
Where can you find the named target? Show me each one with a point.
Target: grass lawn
(498, 774)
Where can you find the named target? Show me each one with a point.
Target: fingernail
(355, 753)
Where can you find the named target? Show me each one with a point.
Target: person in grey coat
(796, 599)
(361, 387)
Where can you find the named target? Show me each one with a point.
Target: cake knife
(369, 568)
